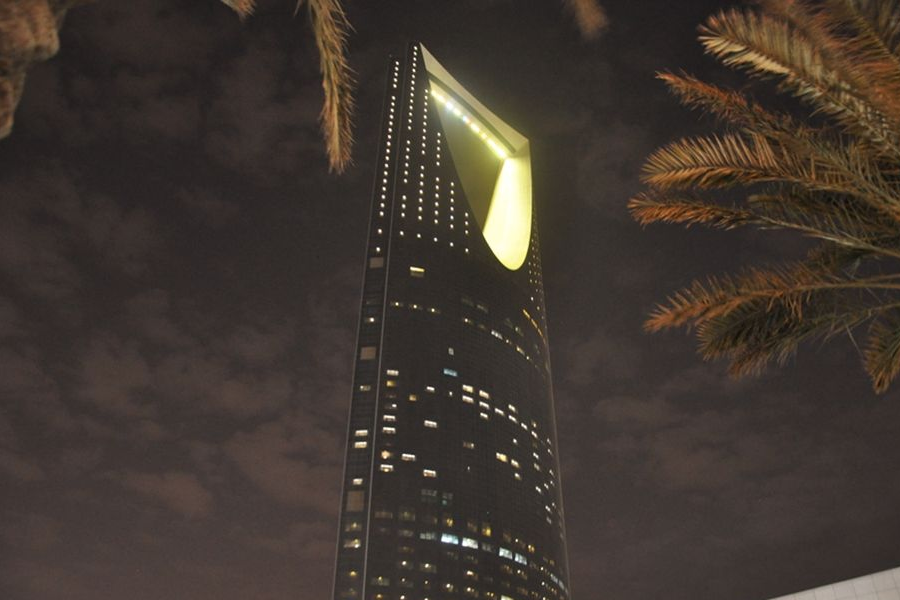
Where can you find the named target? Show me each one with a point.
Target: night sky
(179, 286)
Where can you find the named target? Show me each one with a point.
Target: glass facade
(451, 484)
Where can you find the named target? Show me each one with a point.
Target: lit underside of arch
(493, 162)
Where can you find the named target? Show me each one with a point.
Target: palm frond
(718, 161)
(727, 105)
(765, 46)
(244, 8)
(649, 208)
(589, 16)
(331, 28)
(836, 180)
(882, 354)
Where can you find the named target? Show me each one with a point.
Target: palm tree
(829, 170)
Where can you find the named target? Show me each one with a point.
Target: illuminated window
(389, 418)
(388, 430)
(385, 468)
(361, 433)
(468, 399)
(365, 387)
(469, 445)
(417, 272)
(431, 424)
(358, 481)
(469, 543)
(390, 383)
(429, 473)
(360, 445)
(502, 457)
(468, 388)
(352, 543)
(413, 397)
(392, 372)
(449, 538)
(450, 372)
(408, 457)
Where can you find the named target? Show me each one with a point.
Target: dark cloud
(179, 491)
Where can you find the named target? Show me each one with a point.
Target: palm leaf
(589, 16)
(768, 47)
(331, 29)
(882, 354)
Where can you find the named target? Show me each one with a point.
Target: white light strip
(466, 118)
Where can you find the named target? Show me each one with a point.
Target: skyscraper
(451, 484)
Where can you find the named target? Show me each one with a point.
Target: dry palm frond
(766, 46)
(242, 7)
(836, 181)
(331, 28)
(728, 105)
(882, 354)
(649, 208)
(589, 16)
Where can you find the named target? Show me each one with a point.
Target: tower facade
(451, 484)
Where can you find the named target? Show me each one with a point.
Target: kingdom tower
(451, 482)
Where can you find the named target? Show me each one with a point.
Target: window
(417, 271)
(367, 353)
(428, 535)
(484, 394)
(365, 388)
(449, 538)
(502, 457)
(390, 383)
(468, 399)
(376, 262)
(352, 543)
(385, 468)
(431, 424)
(390, 418)
(429, 473)
(413, 397)
(450, 372)
(361, 433)
(354, 501)
(469, 445)
(353, 526)
(393, 372)
(506, 553)
(360, 445)
(357, 481)
(389, 430)
(468, 388)
(469, 543)
(408, 457)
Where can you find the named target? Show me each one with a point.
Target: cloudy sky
(179, 279)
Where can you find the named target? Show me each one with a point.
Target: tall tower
(451, 485)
